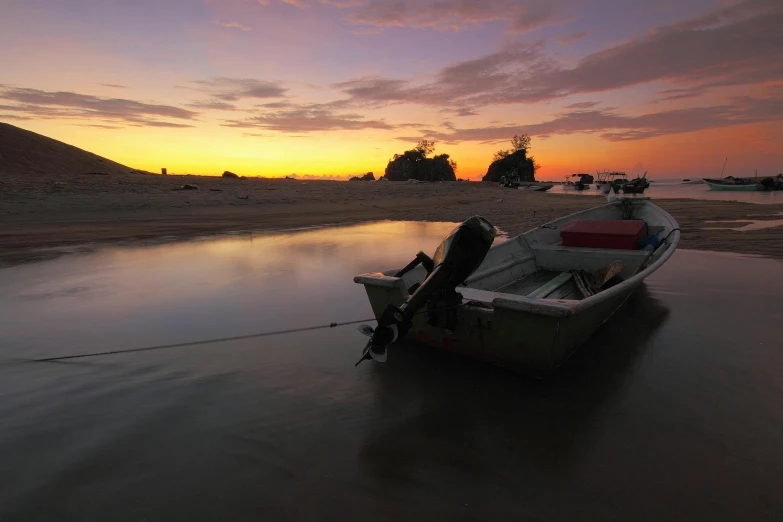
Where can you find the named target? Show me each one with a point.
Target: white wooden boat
(732, 184)
(532, 301)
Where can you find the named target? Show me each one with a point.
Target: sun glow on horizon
(236, 85)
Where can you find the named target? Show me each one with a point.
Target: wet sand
(48, 210)
(670, 411)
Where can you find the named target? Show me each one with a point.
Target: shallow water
(672, 410)
(666, 189)
(747, 224)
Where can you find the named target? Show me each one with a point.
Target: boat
(535, 187)
(578, 181)
(770, 183)
(731, 183)
(608, 181)
(636, 186)
(527, 303)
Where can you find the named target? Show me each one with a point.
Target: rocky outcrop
(515, 164)
(413, 165)
(367, 177)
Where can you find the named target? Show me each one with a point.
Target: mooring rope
(189, 343)
(207, 341)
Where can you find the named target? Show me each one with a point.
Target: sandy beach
(50, 210)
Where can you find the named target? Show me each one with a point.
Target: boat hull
(525, 342)
(729, 187)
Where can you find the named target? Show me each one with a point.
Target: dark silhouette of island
(414, 164)
(513, 163)
(367, 177)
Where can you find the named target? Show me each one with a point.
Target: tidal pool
(671, 411)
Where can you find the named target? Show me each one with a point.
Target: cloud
(305, 119)
(612, 126)
(740, 45)
(518, 15)
(15, 117)
(463, 86)
(571, 39)
(214, 105)
(114, 86)
(64, 104)
(99, 126)
(582, 105)
(231, 25)
(234, 89)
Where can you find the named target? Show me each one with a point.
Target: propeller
(378, 354)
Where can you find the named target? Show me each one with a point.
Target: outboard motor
(458, 256)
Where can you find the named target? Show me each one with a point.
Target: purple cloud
(520, 15)
(740, 45)
(305, 119)
(63, 104)
(617, 127)
(234, 89)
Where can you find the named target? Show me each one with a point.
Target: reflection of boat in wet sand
(529, 302)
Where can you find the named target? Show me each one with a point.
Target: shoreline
(145, 207)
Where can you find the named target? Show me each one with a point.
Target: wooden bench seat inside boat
(542, 284)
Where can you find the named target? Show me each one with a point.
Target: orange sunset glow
(331, 89)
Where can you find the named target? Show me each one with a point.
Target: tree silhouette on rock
(513, 162)
(414, 164)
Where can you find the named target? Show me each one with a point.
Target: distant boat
(535, 187)
(578, 181)
(731, 183)
(637, 186)
(610, 181)
(770, 183)
(533, 299)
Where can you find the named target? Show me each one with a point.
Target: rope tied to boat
(212, 341)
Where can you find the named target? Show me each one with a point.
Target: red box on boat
(625, 234)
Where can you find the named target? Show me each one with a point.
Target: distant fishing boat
(770, 183)
(636, 186)
(536, 187)
(578, 181)
(529, 302)
(731, 183)
(608, 181)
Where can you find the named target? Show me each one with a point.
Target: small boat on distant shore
(578, 181)
(527, 303)
(731, 183)
(637, 186)
(535, 187)
(771, 183)
(608, 181)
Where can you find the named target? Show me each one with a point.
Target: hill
(25, 154)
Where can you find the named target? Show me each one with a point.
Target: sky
(335, 88)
